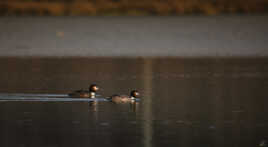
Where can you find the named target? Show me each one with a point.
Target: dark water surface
(185, 102)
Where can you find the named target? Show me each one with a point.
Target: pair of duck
(91, 93)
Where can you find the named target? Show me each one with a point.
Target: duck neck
(92, 94)
(132, 97)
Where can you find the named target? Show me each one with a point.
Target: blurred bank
(131, 7)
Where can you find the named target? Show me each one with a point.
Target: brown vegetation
(131, 7)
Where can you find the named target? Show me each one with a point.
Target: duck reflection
(93, 105)
(263, 143)
(133, 106)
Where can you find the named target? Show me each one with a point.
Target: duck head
(93, 88)
(134, 94)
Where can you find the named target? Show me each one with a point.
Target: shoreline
(131, 8)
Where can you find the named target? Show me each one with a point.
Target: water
(230, 35)
(185, 102)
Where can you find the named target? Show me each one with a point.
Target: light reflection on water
(147, 113)
(185, 102)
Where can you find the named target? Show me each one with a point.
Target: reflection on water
(185, 102)
(147, 113)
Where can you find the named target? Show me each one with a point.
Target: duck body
(121, 99)
(82, 94)
(124, 98)
(91, 93)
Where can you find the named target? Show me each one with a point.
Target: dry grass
(34, 8)
(132, 7)
(82, 9)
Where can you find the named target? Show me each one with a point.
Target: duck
(124, 98)
(91, 93)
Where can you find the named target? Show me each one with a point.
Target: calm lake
(226, 35)
(188, 102)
